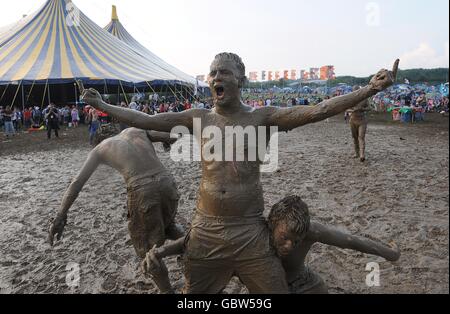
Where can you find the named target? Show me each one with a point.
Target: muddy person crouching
(152, 192)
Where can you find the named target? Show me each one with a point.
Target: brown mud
(400, 193)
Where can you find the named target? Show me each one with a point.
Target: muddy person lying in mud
(229, 234)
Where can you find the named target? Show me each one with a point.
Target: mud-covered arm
(290, 118)
(163, 122)
(332, 236)
(71, 195)
(161, 137)
(170, 249)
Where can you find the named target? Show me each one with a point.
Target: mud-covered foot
(362, 159)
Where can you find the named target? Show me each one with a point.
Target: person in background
(16, 119)
(75, 116)
(94, 125)
(36, 117)
(27, 117)
(358, 126)
(7, 119)
(52, 117)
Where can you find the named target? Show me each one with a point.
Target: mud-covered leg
(362, 142)
(355, 136)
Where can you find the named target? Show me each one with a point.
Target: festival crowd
(399, 99)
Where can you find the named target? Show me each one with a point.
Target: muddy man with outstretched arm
(152, 192)
(228, 235)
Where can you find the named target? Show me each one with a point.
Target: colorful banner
(253, 76)
(314, 74)
(327, 73)
(304, 75)
(323, 73)
(293, 75)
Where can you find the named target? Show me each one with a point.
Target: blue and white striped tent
(59, 44)
(116, 28)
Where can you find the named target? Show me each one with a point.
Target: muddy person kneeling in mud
(152, 192)
(293, 235)
(229, 235)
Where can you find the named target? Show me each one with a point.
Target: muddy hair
(235, 58)
(104, 132)
(292, 211)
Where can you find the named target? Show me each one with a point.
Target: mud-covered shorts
(152, 206)
(308, 282)
(218, 248)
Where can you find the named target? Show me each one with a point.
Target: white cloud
(425, 56)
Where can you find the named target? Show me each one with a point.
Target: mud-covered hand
(92, 97)
(155, 267)
(151, 264)
(384, 78)
(396, 252)
(57, 228)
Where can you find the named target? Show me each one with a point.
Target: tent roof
(116, 28)
(47, 46)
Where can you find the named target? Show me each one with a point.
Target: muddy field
(400, 193)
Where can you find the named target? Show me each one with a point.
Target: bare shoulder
(128, 132)
(109, 145)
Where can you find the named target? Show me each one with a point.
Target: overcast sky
(358, 37)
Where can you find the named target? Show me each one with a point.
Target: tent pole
(180, 92)
(151, 88)
(75, 90)
(106, 88)
(126, 99)
(29, 94)
(43, 96)
(49, 96)
(188, 91)
(23, 98)
(172, 91)
(14, 100)
(118, 94)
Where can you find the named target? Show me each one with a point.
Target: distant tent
(58, 44)
(47, 47)
(116, 28)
